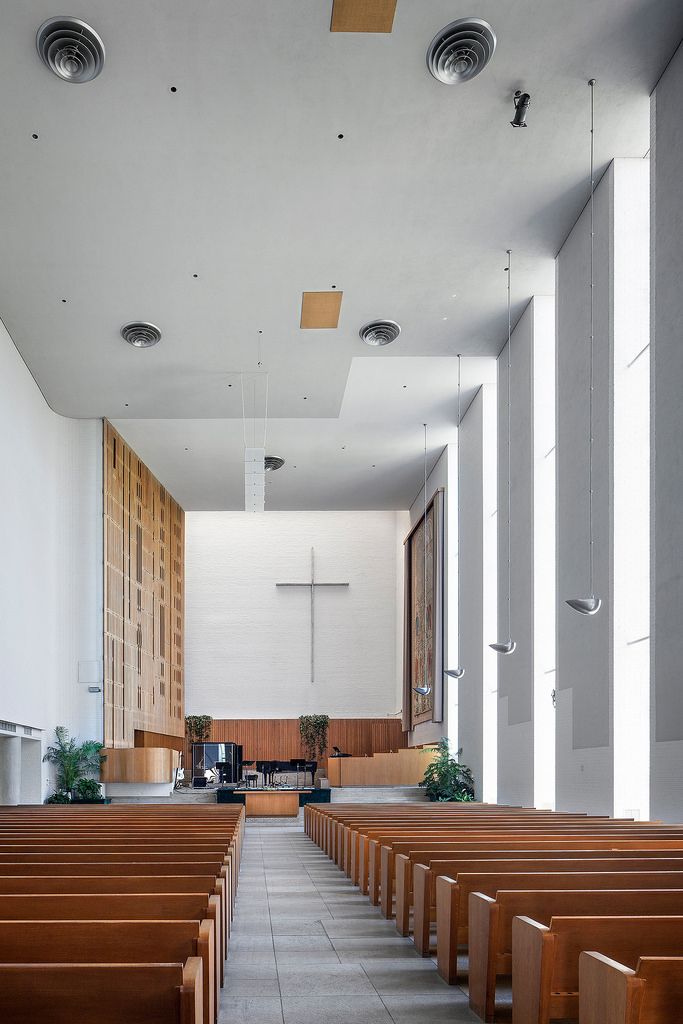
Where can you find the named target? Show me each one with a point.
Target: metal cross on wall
(312, 585)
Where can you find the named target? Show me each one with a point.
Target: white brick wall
(248, 642)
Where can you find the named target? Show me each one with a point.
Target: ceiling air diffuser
(461, 50)
(71, 49)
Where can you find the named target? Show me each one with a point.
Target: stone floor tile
(366, 1009)
(250, 1011)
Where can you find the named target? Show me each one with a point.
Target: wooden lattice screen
(143, 595)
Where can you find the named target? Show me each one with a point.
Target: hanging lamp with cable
(508, 646)
(425, 689)
(459, 672)
(591, 604)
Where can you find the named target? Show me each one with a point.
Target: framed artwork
(423, 617)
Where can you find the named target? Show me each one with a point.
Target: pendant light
(425, 689)
(459, 672)
(508, 646)
(591, 604)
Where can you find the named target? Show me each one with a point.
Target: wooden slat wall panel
(278, 738)
(144, 597)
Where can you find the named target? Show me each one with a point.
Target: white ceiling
(370, 456)
(239, 177)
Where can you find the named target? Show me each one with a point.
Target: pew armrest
(447, 923)
(483, 920)
(191, 992)
(532, 969)
(609, 993)
(206, 949)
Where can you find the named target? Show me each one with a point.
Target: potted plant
(313, 730)
(446, 780)
(88, 791)
(198, 727)
(74, 762)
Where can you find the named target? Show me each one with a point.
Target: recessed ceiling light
(34, 136)
(461, 50)
(195, 275)
(63, 300)
(126, 404)
(340, 136)
(140, 334)
(173, 89)
(380, 332)
(405, 386)
(187, 449)
(454, 295)
(71, 49)
(444, 318)
(273, 462)
(305, 398)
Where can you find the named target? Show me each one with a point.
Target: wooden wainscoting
(403, 768)
(139, 764)
(264, 739)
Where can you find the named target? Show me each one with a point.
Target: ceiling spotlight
(140, 334)
(461, 50)
(71, 49)
(273, 462)
(521, 101)
(380, 332)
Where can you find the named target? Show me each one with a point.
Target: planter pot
(101, 800)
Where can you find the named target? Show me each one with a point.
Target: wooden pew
(519, 861)
(109, 993)
(119, 907)
(545, 959)
(490, 927)
(115, 942)
(452, 896)
(510, 842)
(54, 884)
(611, 993)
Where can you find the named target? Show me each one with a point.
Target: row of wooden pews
(116, 913)
(585, 913)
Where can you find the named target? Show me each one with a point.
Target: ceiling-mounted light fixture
(591, 604)
(459, 672)
(380, 332)
(140, 334)
(521, 102)
(461, 50)
(273, 462)
(508, 646)
(71, 49)
(425, 689)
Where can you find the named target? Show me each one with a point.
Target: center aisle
(307, 947)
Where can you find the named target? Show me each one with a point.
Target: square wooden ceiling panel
(320, 310)
(363, 15)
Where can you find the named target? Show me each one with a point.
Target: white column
(667, 432)
(478, 557)
(526, 677)
(602, 755)
(10, 769)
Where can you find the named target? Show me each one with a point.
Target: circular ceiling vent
(461, 50)
(71, 49)
(380, 332)
(140, 335)
(273, 462)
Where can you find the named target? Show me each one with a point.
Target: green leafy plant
(198, 727)
(313, 730)
(88, 789)
(58, 798)
(446, 779)
(74, 761)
